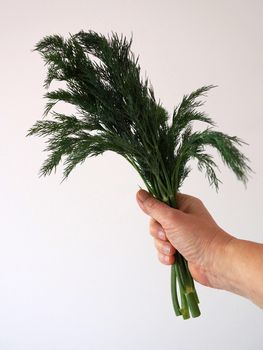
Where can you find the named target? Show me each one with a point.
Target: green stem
(190, 279)
(190, 292)
(184, 306)
(189, 301)
(174, 291)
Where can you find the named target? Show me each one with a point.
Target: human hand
(191, 230)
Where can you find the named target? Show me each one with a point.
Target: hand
(215, 258)
(191, 230)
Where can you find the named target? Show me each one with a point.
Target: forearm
(239, 269)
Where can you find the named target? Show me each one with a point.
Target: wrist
(237, 268)
(218, 265)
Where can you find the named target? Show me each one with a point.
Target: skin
(215, 258)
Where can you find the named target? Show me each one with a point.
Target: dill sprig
(116, 110)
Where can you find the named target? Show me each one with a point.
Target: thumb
(158, 210)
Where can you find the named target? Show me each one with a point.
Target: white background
(78, 269)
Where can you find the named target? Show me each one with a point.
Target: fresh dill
(117, 111)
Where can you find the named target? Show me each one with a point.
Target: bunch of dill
(117, 111)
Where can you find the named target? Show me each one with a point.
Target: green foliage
(117, 111)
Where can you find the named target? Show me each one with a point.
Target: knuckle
(153, 228)
(198, 200)
(151, 232)
(185, 201)
(195, 200)
(157, 244)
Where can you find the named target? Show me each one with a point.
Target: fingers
(166, 259)
(156, 230)
(163, 216)
(164, 248)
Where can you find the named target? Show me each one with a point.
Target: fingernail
(167, 249)
(165, 258)
(161, 234)
(142, 195)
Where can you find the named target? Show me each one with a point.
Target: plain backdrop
(78, 269)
